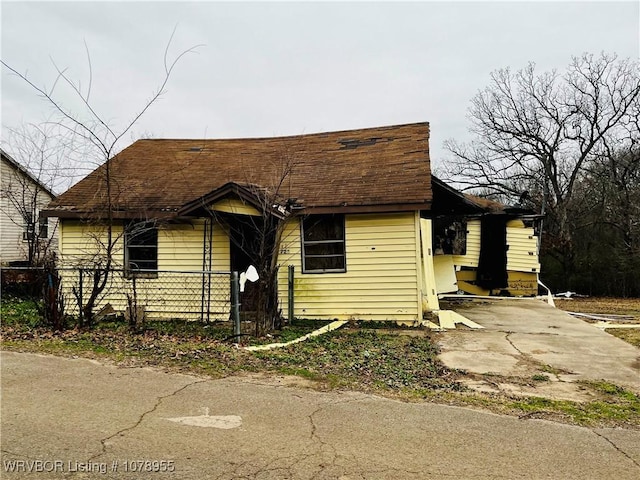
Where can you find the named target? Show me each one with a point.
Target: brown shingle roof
(373, 169)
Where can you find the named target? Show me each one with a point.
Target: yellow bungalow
(371, 235)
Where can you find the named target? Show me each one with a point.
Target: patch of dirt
(552, 388)
(451, 303)
(413, 332)
(282, 380)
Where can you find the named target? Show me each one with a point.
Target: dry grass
(631, 336)
(603, 305)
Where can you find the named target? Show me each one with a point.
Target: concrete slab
(540, 335)
(448, 320)
(481, 362)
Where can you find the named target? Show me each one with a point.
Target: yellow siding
(516, 223)
(518, 283)
(428, 287)
(170, 295)
(521, 256)
(221, 249)
(82, 244)
(523, 250)
(522, 259)
(235, 206)
(381, 281)
(180, 247)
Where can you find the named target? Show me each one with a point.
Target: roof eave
(201, 203)
(371, 208)
(101, 216)
(11, 161)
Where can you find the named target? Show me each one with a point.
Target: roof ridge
(274, 137)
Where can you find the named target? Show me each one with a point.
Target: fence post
(80, 298)
(290, 305)
(235, 304)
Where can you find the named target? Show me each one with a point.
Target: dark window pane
(44, 228)
(324, 227)
(145, 237)
(143, 265)
(324, 249)
(143, 253)
(325, 263)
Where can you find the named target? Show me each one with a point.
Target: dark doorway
(492, 264)
(244, 235)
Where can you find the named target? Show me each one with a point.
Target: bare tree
(260, 237)
(609, 223)
(618, 166)
(537, 132)
(98, 141)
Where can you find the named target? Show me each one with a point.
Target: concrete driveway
(77, 419)
(523, 338)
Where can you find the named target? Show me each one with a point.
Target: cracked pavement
(87, 416)
(522, 338)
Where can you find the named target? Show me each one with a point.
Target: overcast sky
(269, 69)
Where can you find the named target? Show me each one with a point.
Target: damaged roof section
(449, 201)
(373, 169)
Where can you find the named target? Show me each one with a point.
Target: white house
(25, 237)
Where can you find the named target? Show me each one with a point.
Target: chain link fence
(156, 294)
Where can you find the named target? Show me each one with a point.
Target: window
(141, 247)
(29, 228)
(449, 236)
(323, 245)
(29, 232)
(43, 225)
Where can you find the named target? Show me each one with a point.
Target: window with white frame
(323, 244)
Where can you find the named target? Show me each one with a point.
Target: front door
(245, 244)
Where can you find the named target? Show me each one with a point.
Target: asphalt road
(77, 419)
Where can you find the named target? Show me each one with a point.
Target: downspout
(543, 210)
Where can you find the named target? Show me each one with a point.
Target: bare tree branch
(93, 128)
